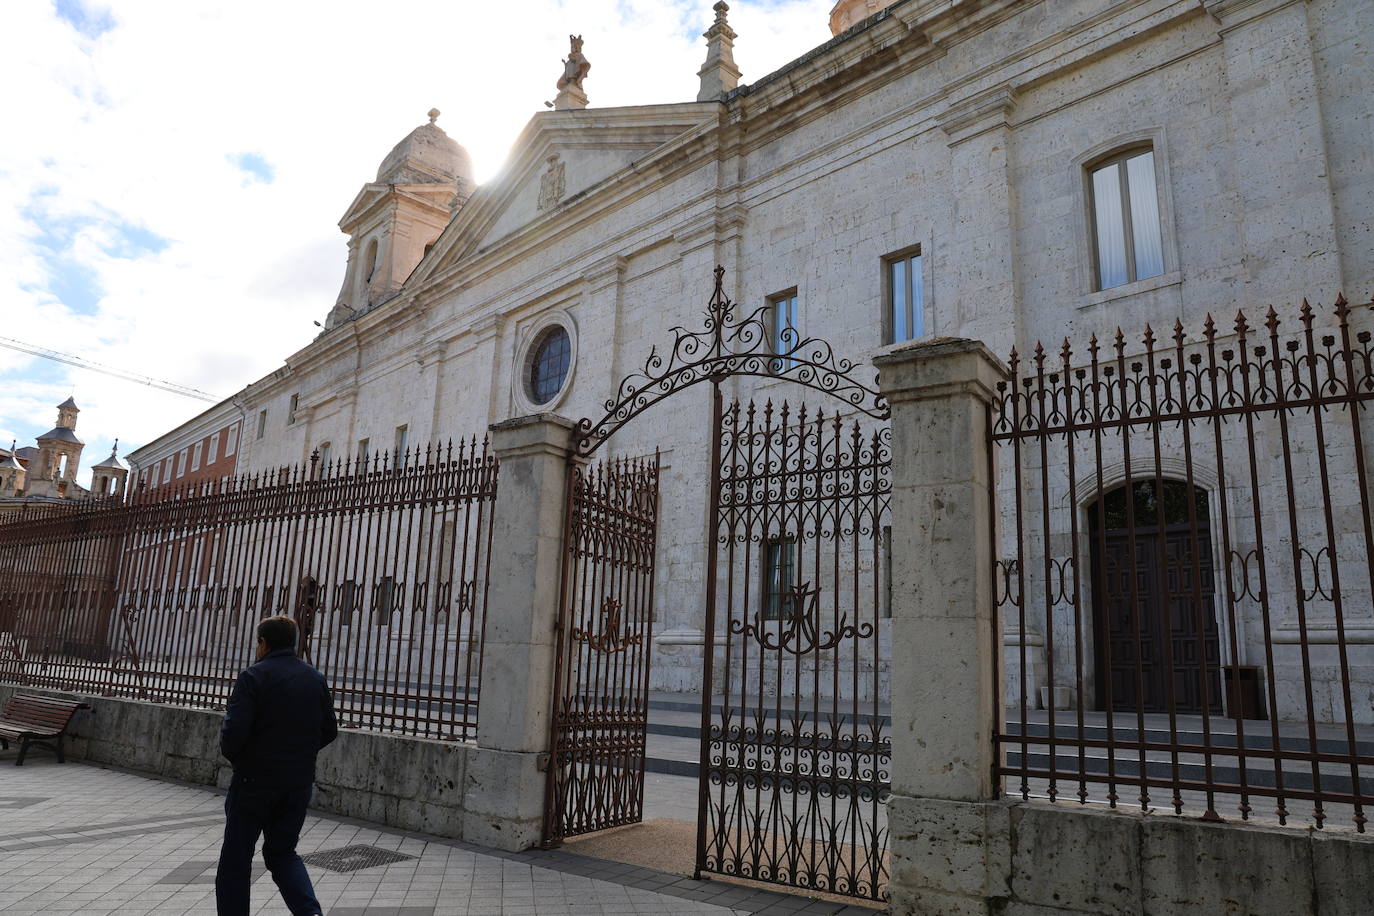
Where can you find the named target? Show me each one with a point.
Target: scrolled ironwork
(726, 346)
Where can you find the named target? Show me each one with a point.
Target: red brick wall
(207, 458)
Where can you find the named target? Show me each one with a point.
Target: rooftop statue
(576, 67)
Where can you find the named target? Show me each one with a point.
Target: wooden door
(1153, 604)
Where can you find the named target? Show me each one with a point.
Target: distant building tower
(391, 224)
(59, 450)
(109, 476)
(11, 473)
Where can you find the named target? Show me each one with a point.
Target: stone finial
(719, 74)
(433, 115)
(575, 70)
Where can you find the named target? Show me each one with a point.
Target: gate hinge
(541, 762)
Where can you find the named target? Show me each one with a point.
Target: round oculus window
(549, 359)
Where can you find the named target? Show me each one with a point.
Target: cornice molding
(718, 224)
(606, 272)
(1242, 11)
(971, 114)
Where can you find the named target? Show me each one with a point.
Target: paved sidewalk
(78, 838)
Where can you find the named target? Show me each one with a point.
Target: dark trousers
(276, 814)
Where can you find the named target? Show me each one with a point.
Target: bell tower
(59, 450)
(109, 476)
(391, 224)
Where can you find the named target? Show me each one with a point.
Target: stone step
(1224, 771)
(1258, 735)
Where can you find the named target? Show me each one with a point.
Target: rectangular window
(402, 440)
(326, 452)
(347, 601)
(231, 441)
(782, 312)
(904, 317)
(779, 571)
(385, 601)
(212, 453)
(195, 456)
(262, 424)
(885, 558)
(1125, 209)
(181, 462)
(291, 409)
(364, 449)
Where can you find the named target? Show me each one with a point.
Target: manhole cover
(354, 858)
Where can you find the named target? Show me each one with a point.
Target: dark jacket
(279, 717)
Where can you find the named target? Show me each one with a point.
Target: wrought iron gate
(605, 627)
(796, 747)
(795, 744)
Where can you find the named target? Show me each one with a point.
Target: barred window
(779, 571)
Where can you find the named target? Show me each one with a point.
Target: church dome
(427, 155)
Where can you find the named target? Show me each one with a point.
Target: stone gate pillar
(504, 791)
(947, 828)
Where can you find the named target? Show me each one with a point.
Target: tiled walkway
(83, 839)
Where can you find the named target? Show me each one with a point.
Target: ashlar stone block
(1190, 866)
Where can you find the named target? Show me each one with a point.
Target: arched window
(1124, 203)
(370, 261)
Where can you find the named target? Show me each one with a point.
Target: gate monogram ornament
(801, 611)
(611, 639)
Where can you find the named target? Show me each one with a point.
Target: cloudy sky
(172, 174)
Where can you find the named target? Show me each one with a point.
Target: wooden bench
(34, 720)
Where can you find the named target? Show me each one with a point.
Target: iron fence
(382, 562)
(1187, 564)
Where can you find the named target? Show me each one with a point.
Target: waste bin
(1244, 700)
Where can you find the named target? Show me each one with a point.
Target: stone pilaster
(979, 261)
(505, 783)
(949, 833)
(719, 74)
(1278, 153)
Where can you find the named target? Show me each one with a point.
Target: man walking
(279, 717)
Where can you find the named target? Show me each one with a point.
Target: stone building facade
(1005, 170)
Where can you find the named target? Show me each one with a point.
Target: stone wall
(1027, 858)
(435, 787)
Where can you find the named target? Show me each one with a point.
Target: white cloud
(139, 134)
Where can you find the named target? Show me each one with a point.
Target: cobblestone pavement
(78, 838)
